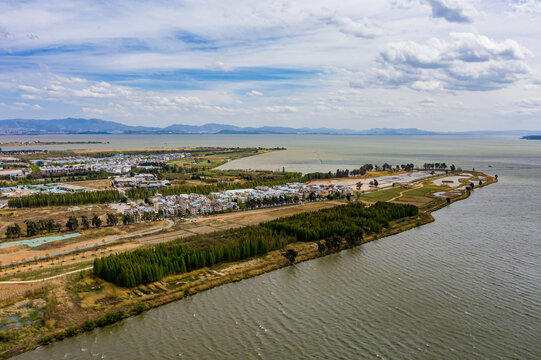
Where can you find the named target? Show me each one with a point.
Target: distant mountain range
(97, 126)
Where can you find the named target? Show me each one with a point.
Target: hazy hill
(97, 126)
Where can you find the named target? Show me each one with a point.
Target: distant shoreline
(26, 143)
(81, 126)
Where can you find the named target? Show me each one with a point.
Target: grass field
(426, 189)
(382, 195)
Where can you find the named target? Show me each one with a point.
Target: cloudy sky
(430, 64)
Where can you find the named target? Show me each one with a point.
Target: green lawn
(382, 195)
(425, 190)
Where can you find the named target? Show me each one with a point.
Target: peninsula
(100, 246)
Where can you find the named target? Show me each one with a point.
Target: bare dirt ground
(94, 236)
(98, 184)
(59, 214)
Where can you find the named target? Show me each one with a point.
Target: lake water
(467, 286)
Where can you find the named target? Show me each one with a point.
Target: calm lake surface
(467, 286)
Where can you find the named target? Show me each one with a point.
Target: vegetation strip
(144, 266)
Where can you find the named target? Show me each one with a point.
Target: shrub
(110, 318)
(139, 308)
(46, 339)
(72, 331)
(88, 325)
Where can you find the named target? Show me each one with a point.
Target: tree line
(151, 264)
(78, 198)
(147, 265)
(341, 220)
(45, 226)
(440, 166)
(356, 172)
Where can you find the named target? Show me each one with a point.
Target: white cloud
(534, 103)
(361, 28)
(254, 93)
(427, 85)
(279, 109)
(4, 34)
(404, 4)
(458, 11)
(74, 89)
(27, 88)
(528, 6)
(465, 62)
(219, 66)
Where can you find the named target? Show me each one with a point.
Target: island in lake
(531, 137)
(93, 237)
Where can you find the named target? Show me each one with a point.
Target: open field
(98, 184)
(59, 214)
(382, 195)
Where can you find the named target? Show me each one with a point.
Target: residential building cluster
(142, 180)
(117, 164)
(230, 200)
(12, 167)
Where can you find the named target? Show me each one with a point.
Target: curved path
(170, 224)
(19, 282)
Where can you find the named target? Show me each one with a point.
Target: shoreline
(207, 278)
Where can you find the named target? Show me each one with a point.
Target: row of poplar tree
(44, 226)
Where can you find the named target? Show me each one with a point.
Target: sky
(444, 65)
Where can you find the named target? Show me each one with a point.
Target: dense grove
(152, 264)
(90, 197)
(341, 220)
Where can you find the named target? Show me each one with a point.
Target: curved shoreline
(232, 272)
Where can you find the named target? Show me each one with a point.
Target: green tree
(72, 224)
(13, 231)
(96, 221)
(334, 242)
(85, 224)
(31, 228)
(290, 255)
(112, 219)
